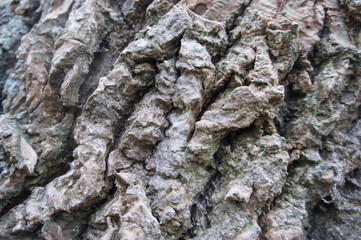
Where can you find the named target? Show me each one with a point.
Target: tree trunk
(192, 119)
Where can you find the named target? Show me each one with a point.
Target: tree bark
(191, 119)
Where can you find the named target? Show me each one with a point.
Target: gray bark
(191, 119)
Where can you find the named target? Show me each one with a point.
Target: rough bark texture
(192, 119)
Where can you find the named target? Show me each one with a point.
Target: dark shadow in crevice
(200, 208)
(200, 9)
(89, 211)
(317, 215)
(19, 199)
